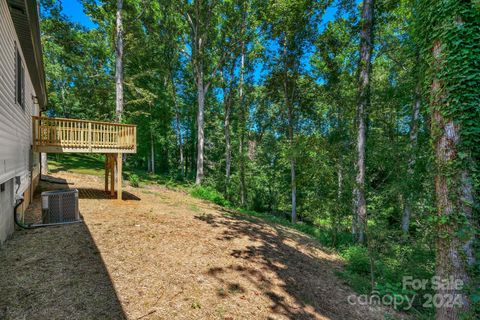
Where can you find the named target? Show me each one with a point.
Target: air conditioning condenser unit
(60, 206)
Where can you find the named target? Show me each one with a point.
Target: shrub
(134, 180)
(210, 194)
(357, 259)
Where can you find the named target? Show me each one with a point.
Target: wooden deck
(58, 135)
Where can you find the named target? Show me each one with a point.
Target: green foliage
(210, 194)
(134, 180)
(359, 283)
(74, 57)
(77, 163)
(357, 260)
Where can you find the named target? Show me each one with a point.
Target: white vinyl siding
(6, 210)
(15, 121)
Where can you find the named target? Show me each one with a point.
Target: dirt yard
(164, 255)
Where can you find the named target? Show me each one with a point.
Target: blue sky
(74, 10)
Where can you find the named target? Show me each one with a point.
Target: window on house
(19, 80)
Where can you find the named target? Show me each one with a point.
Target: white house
(22, 95)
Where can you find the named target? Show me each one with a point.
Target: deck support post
(112, 175)
(107, 163)
(119, 175)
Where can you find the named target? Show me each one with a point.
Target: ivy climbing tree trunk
(366, 47)
(448, 191)
(119, 62)
(467, 207)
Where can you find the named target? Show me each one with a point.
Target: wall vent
(60, 206)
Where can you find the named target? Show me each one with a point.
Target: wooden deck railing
(56, 135)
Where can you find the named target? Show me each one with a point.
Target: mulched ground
(164, 255)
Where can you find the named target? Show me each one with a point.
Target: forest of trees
(360, 119)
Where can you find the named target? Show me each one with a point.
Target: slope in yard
(164, 255)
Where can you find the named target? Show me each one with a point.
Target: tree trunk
(366, 46)
(354, 213)
(228, 148)
(119, 63)
(44, 163)
(243, 190)
(289, 107)
(64, 105)
(227, 104)
(407, 209)
(193, 145)
(336, 213)
(178, 127)
(152, 153)
(292, 166)
(200, 124)
(407, 213)
(448, 187)
(294, 190)
(467, 201)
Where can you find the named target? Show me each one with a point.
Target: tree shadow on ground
(286, 267)
(56, 273)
